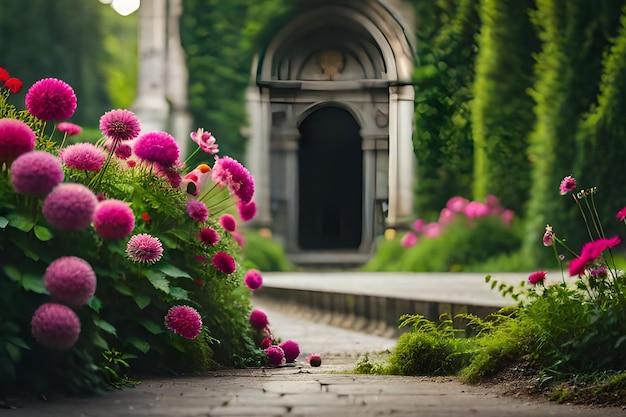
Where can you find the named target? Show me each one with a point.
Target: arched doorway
(330, 160)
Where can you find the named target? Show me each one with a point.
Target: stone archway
(330, 161)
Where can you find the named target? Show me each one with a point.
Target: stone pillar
(394, 172)
(176, 81)
(258, 152)
(406, 155)
(369, 191)
(150, 105)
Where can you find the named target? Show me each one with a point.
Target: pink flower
(410, 239)
(492, 201)
(144, 248)
(120, 125)
(184, 320)
(418, 225)
(314, 359)
(16, 139)
(83, 156)
(592, 250)
(258, 319)
(432, 230)
(239, 238)
(476, 209)
(228, 222)
(55, 326)
(247, 211)
(123, 151)
(621, 215)
(577, 266)
(71, 280)
(548, 236)
(507, 217)
(291, 350)
(275, 355)
(157, 147)
(457, 204)
(170, 174)
(70, 206)
(229, 173)
(224, 262)
(253, 279)
(537, 277)
(51, 99)
(567, 185)
(70, 128)
(197, 210)
(266, 342)
(113, 219)
(36, 173)
(446, 216)
(208, 236)
(205, 140)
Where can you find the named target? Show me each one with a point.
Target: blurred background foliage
(511, 95)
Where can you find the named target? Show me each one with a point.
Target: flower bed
(116, 254)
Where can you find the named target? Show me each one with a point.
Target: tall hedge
(443, 78)
(573, 36)
(502, 111)
(602, 135)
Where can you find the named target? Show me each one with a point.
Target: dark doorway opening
(330, 161)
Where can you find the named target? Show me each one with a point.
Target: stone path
(302, 390)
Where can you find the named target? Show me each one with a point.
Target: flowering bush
(450, 242)
(115, 249)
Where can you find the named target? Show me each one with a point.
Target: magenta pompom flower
(51, 99)
(247, 211)
(228, 222)
(224, 262)
(205, 141)
(184, 320)
(227, 172)
(567, 185)
(36, 173)
(70, 206)
(197, 210)
(621, 215)
(253, 279)
(16, 138)
(258, 319)
(123, 151)
(113, 219)
(239, 238)
(120, 125)
(314, 359)
(69, 128)
(83, 156)
(266, 342)
(275, 355)
(144, 248)
(291, 349)
(410, 239)
(71, 280)
(55, 326)
(537, 277)
(157, 147)
(208, 236)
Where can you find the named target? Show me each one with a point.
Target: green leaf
(99, 341)
(139, 344)
(159, 281)
(13, 351)
(172, 271)
(142, 301)
(151, 326)
(17, 341)
(12, 272)
(3, 222)
(179, 293)
(95, 304)
(106, 326)
(43, 233)
(20, 222)
(123, 289)
(34, 283)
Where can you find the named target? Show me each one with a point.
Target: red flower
(537, 277)
(13, 84)
(146, 217)
(4, 75)
(621, 215)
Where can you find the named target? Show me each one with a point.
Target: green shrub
(265, 254)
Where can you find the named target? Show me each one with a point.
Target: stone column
(406, 156)
(150, 105)
(369, 191)
(176, 81)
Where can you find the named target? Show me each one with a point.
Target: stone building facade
(331, 124)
